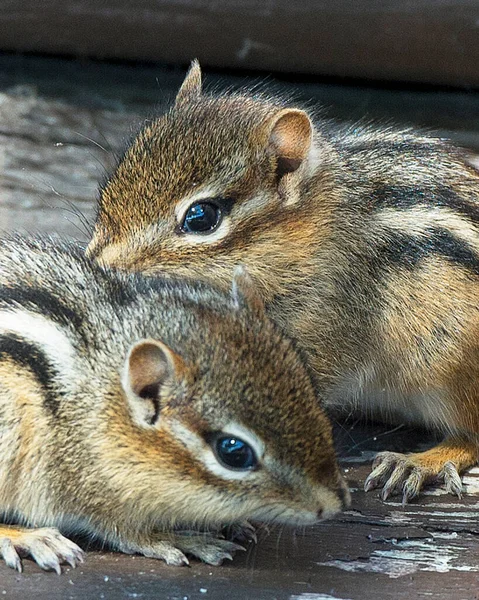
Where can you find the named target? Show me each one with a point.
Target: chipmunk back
(363, 241)
(132, 410)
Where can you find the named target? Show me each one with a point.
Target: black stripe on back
(403, 197)
(42, 302)
(392, 147)
(30, 357)
(407, 251)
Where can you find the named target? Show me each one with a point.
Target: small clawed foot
(398, 473)
(452, 479)
(207, 548)
(48, 548)
(173, 549)
(241, 532)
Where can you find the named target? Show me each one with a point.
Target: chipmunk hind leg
(45, 545)
(409, 473)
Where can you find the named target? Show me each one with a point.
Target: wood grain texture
(433, 41)
(63, 124)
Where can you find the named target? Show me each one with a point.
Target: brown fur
(363, 241)
(112, 390)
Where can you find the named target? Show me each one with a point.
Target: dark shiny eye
(202, 217)
(234, 454)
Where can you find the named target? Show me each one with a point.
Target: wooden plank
(62, 124)
(423, 40)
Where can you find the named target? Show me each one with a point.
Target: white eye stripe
(218, 234)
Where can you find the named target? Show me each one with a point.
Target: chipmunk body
(132, 410)
(363, 242)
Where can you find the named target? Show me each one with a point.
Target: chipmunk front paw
(242, 532)
(408, 474)
(46, 546)
(174, 548)
(208, 548)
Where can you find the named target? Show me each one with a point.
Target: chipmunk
(363, 242)
(145, 413)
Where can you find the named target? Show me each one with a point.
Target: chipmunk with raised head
(363, 241)
(145, 413)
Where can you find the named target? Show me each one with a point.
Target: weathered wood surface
(61, 124)
(412, 40)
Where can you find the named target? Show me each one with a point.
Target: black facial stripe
(406, 197)
(225, 204)
(407, 251)
(41, 302)
(114, 286)
(29, 356)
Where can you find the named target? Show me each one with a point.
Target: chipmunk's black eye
(234, 453)
(202, 217)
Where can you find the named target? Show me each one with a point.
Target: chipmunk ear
(290, 139)
(244, 292)
(149, 366)
(191, 86)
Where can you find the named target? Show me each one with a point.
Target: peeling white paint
(471, 484)
(409, 556)
(309, 596)
(398, 518)
(392, 568)
(411, 517)
(444, 535)
(248, 45)
(474, 471)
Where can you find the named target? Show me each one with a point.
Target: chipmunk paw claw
(452, 479)
(46, 546)
(241, 532)
(398, 473)
(209, 549)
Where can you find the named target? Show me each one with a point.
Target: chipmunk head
(230, 430)
(213, 182)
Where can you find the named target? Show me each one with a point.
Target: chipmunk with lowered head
(145, 413)
(363, 242)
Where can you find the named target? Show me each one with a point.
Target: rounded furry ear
(290, 139)
(149, 366)
(191, 86)
(244, 292)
